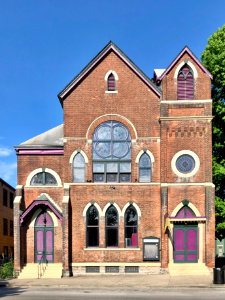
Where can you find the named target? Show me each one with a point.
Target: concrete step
(188, 269)
(32, 271)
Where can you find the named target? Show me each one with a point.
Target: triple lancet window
(112, 227)
(185, 83)
(111, 153)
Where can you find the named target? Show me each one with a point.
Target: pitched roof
(52, 137)
(108, 48)
(195, 59)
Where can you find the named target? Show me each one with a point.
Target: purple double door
(185, 243)
(44, 238)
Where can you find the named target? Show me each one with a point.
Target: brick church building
(125, 183)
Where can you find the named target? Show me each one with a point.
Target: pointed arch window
(79, 168)
(185, 212)
(92, 221)
(111, 82)
(185, 83)
(131, 227)
(111, 227)
(145, 168)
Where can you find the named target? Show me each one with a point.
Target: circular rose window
(185, 163)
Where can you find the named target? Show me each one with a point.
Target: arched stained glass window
(111, 82)
(145, 168)
(79, 168)
(111, 227)
(131, 227)
(185, 83)
(185, 212)
(43, 178)
(92, 221)
(111, 153)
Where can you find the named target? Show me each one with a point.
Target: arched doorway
(44, 238)
(185, 237)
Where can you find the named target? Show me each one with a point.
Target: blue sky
(45, 43)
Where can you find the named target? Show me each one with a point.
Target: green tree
(213, 58)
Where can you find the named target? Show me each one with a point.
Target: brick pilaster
(65, 232)
(17, 245)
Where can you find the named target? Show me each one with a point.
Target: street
(72, 293)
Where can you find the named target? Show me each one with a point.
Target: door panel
(185, 243)
(44, 238)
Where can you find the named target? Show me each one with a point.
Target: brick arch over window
(111, 117)
(111, 79)
(185, 83)
(47, 170)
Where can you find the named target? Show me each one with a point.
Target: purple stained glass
(179, 239)
(49, 239)
(49, 257)
(191, 239)
(185, 212)
(191, 257)
(44, 219)
(179, 257)
(40, 240)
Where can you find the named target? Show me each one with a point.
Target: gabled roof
(52, 137)
(195, 59)
(103, 53)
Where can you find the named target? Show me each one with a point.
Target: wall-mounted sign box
(151, 246)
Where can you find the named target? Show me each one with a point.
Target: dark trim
(38, 203)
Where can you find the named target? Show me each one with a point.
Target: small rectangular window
(92, 269)
(5, 227)
(11, 198)
(6, 251)
(99, 178)
(5, 197)
(125, 177)
(11, 228)
(131, 269)
(110, 177)
(112, 269)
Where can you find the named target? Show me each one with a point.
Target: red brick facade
(159, 125)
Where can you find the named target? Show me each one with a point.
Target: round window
(185, 163)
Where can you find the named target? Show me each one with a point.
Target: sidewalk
(121, 282)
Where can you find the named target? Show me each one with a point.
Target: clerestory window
(111, 153)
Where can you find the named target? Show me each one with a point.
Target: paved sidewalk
(121, 282)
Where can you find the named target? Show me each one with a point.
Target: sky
(46, 43)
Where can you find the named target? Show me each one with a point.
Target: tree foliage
(213, 58)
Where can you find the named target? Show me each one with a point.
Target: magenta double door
(44, 239)
(185, 243)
